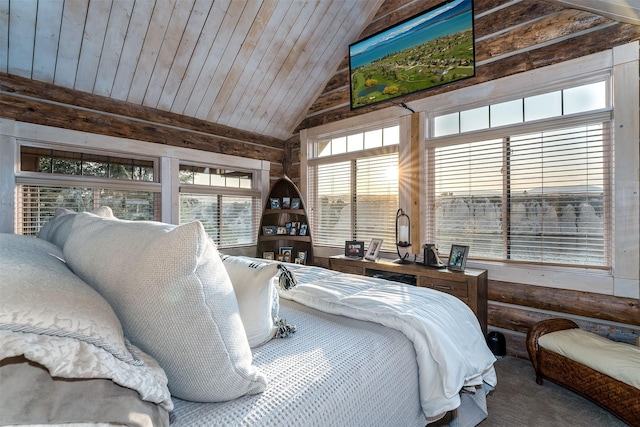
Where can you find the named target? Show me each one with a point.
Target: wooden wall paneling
(133, 42)
(19, 51)
(92, 42)
(241, 80)
(245, 31)
(47, 38)
(71, 35)
(154, 41)
(185, 52)
(178, 35)
(113, 44)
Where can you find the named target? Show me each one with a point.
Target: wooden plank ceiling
(254, 65)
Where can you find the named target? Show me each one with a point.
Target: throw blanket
(450, 347)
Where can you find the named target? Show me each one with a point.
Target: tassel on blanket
(287, 279)
(284, 329)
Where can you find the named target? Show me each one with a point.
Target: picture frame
(280, 231)
(458, 257)
(268, 255)
(373, 252)
(295, 203)
(302, 256)
(286, 203)
(439, 42)
(286, 250)
(274, 202)
(303, 230)
(269, 230)
(354, 248)
(284, 257)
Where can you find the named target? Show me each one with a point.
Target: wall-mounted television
(432, 48)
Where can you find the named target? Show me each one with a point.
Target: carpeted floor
(518, 401)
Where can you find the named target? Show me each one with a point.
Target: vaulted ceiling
(253, 65)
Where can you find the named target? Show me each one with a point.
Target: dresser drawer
(457, 289)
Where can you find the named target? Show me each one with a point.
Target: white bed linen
(334, 371)
(450, 346)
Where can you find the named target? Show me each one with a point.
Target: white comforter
(450, 348)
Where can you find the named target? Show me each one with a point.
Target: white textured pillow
(40, 295)
(58, 228)
(253, 283)
(174, 298)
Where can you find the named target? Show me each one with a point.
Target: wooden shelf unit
(284, 187)
(469, 286)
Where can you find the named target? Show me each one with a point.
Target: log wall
(511, 37)
(42, 103)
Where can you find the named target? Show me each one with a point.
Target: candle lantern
(403, 235)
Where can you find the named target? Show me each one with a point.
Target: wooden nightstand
(469, 286)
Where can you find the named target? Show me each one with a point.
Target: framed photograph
(354, 249)
(302, 256)
(432, 48)
(284, 257)
(373, 253)
(286, 250)
(458, 257)
(303, 230)
(268, 255)
(295, 203)
(286, 202)
(269, 230)
(281, 231)
(275, 203)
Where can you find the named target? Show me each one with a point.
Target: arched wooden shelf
(281, 189)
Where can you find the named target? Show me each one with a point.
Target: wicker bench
(619, 398)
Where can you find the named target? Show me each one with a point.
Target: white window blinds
(355, 199)
(37, 204)
(542, 197)
(230, 220)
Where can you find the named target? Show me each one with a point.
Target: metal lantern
(403, 235)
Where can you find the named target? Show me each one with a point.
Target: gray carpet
(519, 401)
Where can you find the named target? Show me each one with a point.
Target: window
(539, 196)
(580, 99)
(224, 201)
(50, 179)
(353, 187)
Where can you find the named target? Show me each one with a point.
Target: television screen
(430, 49)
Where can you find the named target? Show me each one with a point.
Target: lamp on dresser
(403, 236)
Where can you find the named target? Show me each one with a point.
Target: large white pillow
(41, 295)
(254, 284)
(58, 228)
(174, 298)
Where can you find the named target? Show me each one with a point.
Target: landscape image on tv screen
(433, 48)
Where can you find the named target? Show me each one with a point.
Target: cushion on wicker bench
(617, 360)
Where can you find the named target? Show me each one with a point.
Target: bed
(365, 351)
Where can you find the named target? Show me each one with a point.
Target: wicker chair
(617, 397)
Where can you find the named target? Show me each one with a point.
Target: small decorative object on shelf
(268, 255)
(458, 257)
(275, 202)
(303, 230)
(269, 230)
(354, 248)
(286, 202)
(431, 256)
(302, 257)
(295, 203)
(373, 253)
(403, 236)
